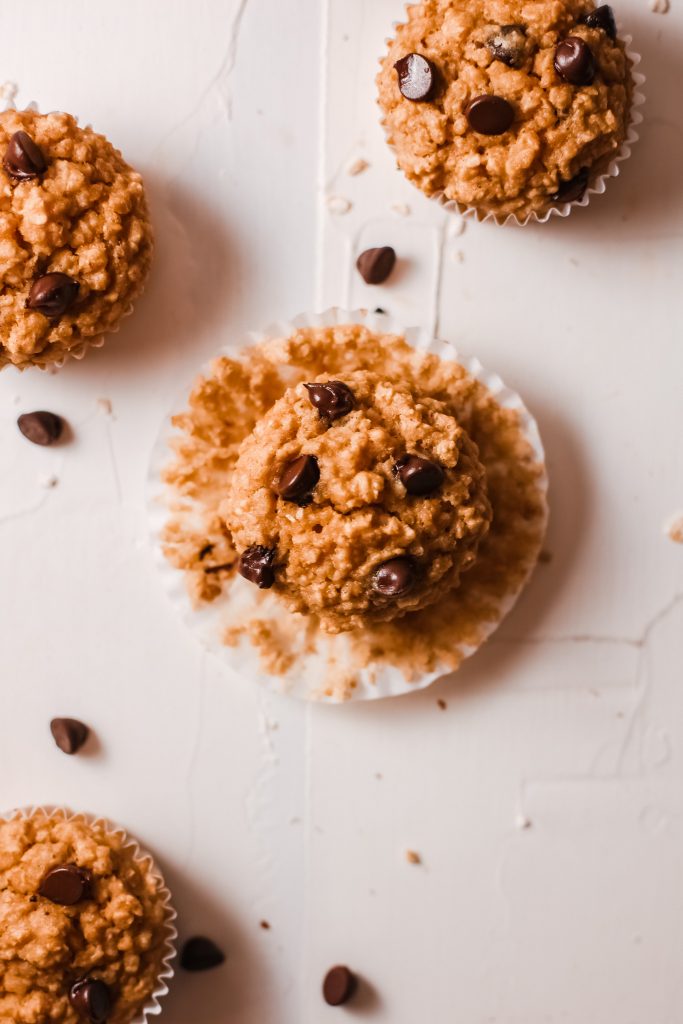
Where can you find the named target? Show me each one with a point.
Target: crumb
(660, 6)
(458, 256)
(545, 557)
(8, 92)
(265, 925)
(522, 822)
(400, 209)
(338, 205)
(674, 528)
(456, 226)
(378, 775)
(104, 406)
(412, 857)
(442, 704)
(48, 482)
(357, 167)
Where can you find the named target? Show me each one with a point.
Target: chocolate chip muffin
(83, 925)
(75, 237)
(357, 500)
(509, 107)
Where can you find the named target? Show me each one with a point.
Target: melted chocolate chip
(394, 578)
(298, 478)
(67, 884)
(602, 17)
(90, 998)
(332, 399)
(419, 476)
(489, 115)
(417, 77)
(256, 565)
(69, 734)
(570, 191)
(201, 954)
(375, 265)
(339, 986)
(23, 158)
(574, 61)
(41, 427)
(52, 295)
(508, 44)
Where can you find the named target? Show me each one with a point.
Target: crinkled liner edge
(152, 1007)
(385, 681)
(83, 347)
(598, 186)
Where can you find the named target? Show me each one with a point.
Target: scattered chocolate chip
(332, 399)
(574, 61)
(201, 954)
(91, 999)
(419, 476)
(339, 986)
(41, 427)
(489, 115)
(394, 578)
(417, 77)
(52, 295)
(23, 158)
(508, 44)
(265, 925)
(570, 191)
(206, 550)
(298, 478)
(69, 734)
(378, 309)
(67, 884)
(442, 704)
(602, 17)
(256, 565)
(375, 265)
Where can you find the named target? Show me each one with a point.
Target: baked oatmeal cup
(509, 109)
(75, 238)
(86, 925)
(352, 510)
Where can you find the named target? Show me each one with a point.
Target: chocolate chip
(52, 295)
(41, 427)
(508, 44)
(574, 61)
(394, 578)
(339, 986)
(69, 734)
(378, 309)
(256, 565)
(91, 999)
(570, 191)
(489, 115)
(332, 399)
(419, 476)
(298, 478)
(417, 77)
(201, 954)
(67, 884)
(375, 265)
(602, 17)
(23, 158)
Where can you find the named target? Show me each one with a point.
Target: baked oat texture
(558, 130)
(360, 514)
(225, 407)
(85, 216)
(117, 936)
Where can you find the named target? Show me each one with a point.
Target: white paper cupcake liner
(83, 347)
(599, 176)
(152, 1007)
(246, 601)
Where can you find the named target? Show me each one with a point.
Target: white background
(243, 118)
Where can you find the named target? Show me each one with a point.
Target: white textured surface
(569, 721)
